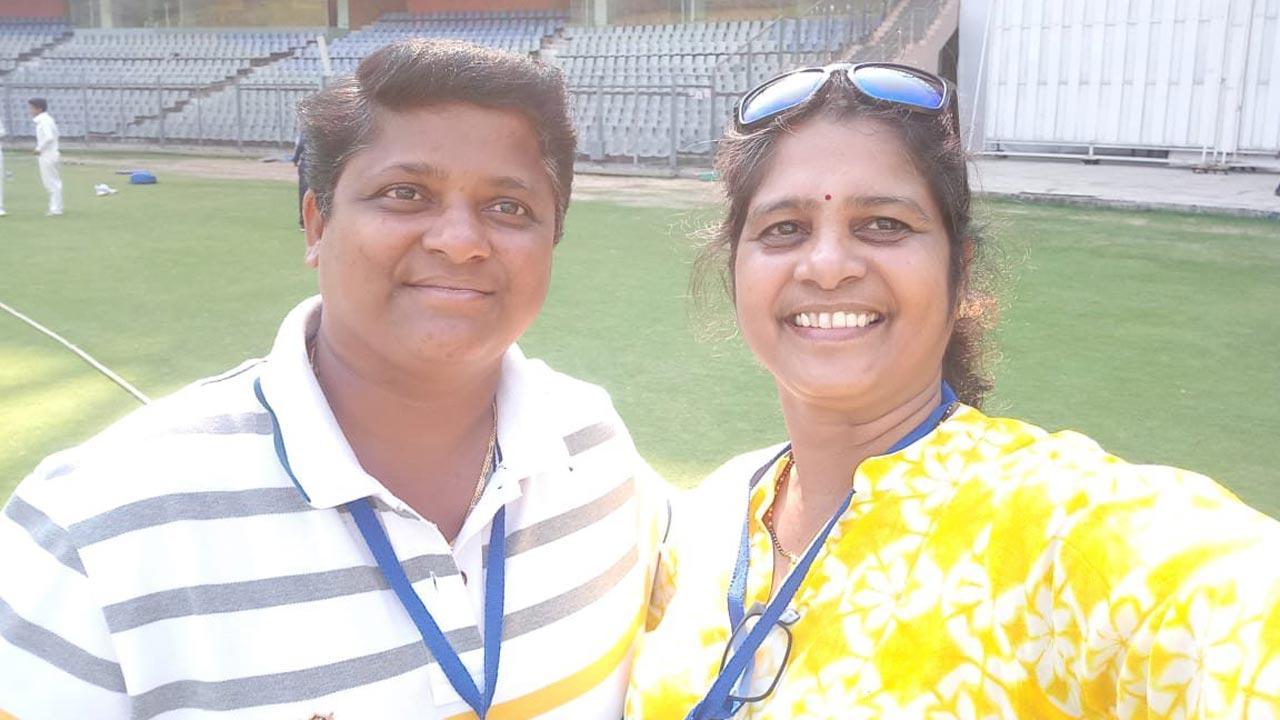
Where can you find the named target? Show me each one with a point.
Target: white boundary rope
(82, 354)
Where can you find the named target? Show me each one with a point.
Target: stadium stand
(640, 88)
(264, 99)
(640, 92)
(517, 32)
(909, 23)
(21, 39)
(105, 82)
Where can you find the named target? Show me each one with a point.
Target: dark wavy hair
(743, 159)
(339, 121)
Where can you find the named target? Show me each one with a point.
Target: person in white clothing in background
(47, 149)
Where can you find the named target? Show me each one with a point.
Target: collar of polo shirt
(324, 464)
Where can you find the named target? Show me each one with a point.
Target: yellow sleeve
(1212, 649)
(1182, 616)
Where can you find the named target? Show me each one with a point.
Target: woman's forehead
(455, 137)
(452, 121)
(841, 158)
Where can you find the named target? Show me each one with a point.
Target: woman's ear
(962, 278)
(313, 222)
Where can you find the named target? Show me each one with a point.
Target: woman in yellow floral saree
(904, 555)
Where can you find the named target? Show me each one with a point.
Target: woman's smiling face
(841, 269)
(438, 248)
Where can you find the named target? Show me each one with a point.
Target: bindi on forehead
(827, 197)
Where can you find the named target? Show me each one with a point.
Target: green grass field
(1154, 333)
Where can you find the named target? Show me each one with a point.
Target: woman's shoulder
(164, 446)
(1072, 462)
(532, 374)
(581, 412)
(1120, 518)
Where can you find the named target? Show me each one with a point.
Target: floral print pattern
(989, 570)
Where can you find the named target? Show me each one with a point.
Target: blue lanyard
(716, 703)
(434, 638)
(380, 545)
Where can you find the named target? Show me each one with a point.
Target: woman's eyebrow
(871, 201)
(510, 182)
(427, 170)
(420, 169)
(787, 203)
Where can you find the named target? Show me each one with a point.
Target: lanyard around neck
(715, 704)
(380, 545)
(494, 581)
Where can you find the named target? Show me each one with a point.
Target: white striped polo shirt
(170, 567)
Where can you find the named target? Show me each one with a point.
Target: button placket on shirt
(446, 597)
(470, 549)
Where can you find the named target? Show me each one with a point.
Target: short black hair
(39, 103)
(338, 121)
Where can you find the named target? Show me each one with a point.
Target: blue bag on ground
(142, 177)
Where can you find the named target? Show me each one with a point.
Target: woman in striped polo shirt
(395, 514)
(904, 555)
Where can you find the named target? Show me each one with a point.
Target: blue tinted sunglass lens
(898, 86)
(784, 93)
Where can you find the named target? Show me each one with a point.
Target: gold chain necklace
(485, 467)
(789, 556)
(488, 461)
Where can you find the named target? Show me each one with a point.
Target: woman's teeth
(827, 320)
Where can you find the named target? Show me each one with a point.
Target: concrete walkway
(1068, 182)
(1141, 187)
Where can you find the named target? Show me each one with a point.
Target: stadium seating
(789, 35)
(638, 91)
(523, 33)
(20, 37)
(107, 82)
(263, 110)
(633, 83)
(909, 25)
(239, 114)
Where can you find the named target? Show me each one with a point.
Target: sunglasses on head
(891, 83)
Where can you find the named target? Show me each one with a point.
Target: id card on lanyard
(716, 704)
(433, 637)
